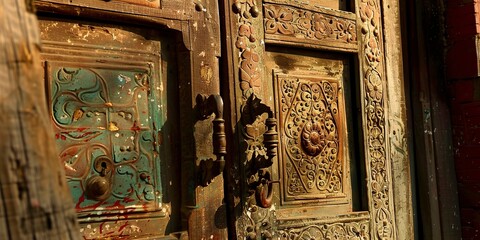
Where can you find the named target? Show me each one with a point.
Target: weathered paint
(104, 114)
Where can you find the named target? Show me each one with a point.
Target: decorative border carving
(377, 159)
(349, 230)
(256, 222)
(292, 24)
(246, 42)
(253, 221)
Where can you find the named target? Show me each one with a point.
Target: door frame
(436, 203)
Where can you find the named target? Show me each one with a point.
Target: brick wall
(463, 28)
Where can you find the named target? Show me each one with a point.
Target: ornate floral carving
(381, 205)
(278, 19)
(246, 43)
(350, 230)
(312, 142)
(304, 24)
(256, 223)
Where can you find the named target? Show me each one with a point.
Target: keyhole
(104, 169)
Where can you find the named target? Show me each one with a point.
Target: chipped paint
(206, 74)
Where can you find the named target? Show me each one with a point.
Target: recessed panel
(103, 124)
(314, 159)
(311, 112)
(108, 88)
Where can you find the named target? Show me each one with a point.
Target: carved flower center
(312, 139)
(315, 138)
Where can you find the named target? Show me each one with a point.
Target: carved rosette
(304, 24)
(381, 205)
(340, 231)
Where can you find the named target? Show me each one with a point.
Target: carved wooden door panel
(121, 97)
(308, 76)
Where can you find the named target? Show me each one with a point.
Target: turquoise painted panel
(104, 121)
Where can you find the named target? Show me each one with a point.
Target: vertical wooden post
(35, 202)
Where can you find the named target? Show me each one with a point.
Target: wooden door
(128, 85)
(316, 138)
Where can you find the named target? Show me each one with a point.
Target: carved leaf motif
(246, 11)
(249, 69)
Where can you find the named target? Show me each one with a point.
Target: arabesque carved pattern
(381, 205)
(340, 231)
(304, 24)
(309, 111)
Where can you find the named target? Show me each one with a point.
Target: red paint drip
(81, 200)
(120, 229)
(116, 205)
(101, 227)
(135, 127)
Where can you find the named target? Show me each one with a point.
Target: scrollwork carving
(340, 231)
(312, 136)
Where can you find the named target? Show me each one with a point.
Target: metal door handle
(261, 184)
(98, 187)
(264, 188)
(208, 105)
